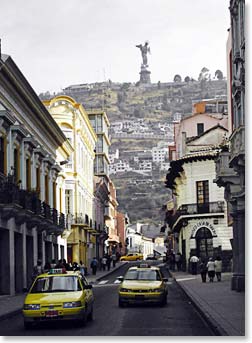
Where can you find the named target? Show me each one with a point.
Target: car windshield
(56, 284)
(150, 275)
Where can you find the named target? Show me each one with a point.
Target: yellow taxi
(143, 284)
(132, 257)
(58, 295)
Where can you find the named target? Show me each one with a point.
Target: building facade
(30, 222)
(79, 186)
(198, 219)
(230, 164)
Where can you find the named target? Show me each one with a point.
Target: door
(204, 243)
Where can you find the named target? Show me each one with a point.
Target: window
(203, 196)
(38, 181)
(68, 195)
(46, 189)
(16, 164)
(28, 174)
(200, 128)
(56, 284)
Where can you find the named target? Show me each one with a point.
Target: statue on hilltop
(144, 50)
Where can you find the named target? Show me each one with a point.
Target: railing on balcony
(10, 193)
(195, 209)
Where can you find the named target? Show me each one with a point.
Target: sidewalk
(222, 308)
(11, 305)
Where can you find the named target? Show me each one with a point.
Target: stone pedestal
(145, 75)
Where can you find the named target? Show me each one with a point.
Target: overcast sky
(57, 43)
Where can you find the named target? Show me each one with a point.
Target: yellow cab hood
(48, 298)
(135, 284)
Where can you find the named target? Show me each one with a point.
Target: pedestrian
(82, 268)
(203, 270)
(114, 260)
(194, 264)
(37, 270)
(75, 266)
(211, 269)
(104, 262)
(93, 265)
(108, 262)
(178, 260)
(172, 260)
(218, 267)
(47, 267)
(53, 264)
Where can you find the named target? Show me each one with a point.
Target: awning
(113, 238)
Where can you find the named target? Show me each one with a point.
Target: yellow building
(78, 170)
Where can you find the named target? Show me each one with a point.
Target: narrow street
(177, 318)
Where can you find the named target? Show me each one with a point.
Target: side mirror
(88, 287)
(165, 279)
(120, 278)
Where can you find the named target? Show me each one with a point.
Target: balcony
(79, 219)
(25, 206)
(194, 211)
(224, 174)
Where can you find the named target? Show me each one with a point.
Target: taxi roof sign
(144, 265)
(57, 271)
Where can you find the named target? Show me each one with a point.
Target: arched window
(204, 243)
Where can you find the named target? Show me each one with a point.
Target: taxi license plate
(51, 314)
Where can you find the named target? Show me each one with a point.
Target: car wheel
(121, 303)
(27, 325)
(83, 321)
(90, 316)
(164, 301)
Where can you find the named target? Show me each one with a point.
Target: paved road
(177, 318)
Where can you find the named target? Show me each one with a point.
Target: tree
(177, 78)
(187, 79)
(218, 74)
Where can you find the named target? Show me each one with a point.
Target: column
(35, 245)
(11, 224)
(23, 230)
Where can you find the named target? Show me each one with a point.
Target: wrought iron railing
(194, 209)
(10, 193)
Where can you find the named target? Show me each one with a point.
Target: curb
(216, 328)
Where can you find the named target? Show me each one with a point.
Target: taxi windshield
(148, 275)
(56, 284)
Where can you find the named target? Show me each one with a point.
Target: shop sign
(201, 224)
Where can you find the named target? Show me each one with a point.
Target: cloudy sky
(57, 43)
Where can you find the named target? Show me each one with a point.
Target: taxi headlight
(31, 306)
(157, 290)
(72, 304)
(124, 290)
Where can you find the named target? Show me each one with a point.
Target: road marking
(103, 282)
(117, 281)
(187, 278)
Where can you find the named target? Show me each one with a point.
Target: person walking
(203, 270)
(114, 260)
(104, 262)
(93, 265)
(218, 267)
(194, 264)
(211, 269)
(178, 260)
(82, 268)
(108, 262)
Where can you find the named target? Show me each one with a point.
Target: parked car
(132, 257)
(58, 295)
(151, 257)
(143, 284)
